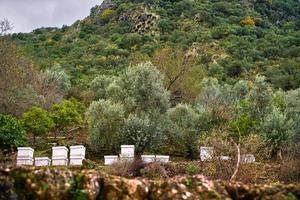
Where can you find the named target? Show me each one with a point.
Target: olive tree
(105, 122)
(139, 101)
(185, 119)
(278, 129)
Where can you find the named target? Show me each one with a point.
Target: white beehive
(42, 161)
(77, 154)
(25, 152)
(24, 161)
(206, 153)
(109, 160)
(162, 158)
(78, 150)
(148, 158)
(60, 151)
(127, 151)
(247, 158)
(224, 158)
(59, 161)
(25, 156)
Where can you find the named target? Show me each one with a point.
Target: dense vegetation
(165, 75)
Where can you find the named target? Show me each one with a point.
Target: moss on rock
(62, 183)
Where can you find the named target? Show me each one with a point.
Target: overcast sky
(27, 15)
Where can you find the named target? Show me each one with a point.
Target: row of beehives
(59, 156)
(127, 153)
(207, 154)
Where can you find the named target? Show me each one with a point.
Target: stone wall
(63, 183)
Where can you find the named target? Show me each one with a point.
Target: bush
(133, 112)
(127, 168)
(154, 171)
(105, 120)
(68, 113)
(185, 121)
(37, 121)
(277, 129)
(192, 169)
(142, 132)
(12, 133)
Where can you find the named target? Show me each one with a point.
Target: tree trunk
(238, 161)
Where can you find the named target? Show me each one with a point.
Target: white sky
(27, 15)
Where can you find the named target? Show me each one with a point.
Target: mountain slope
(230, 39)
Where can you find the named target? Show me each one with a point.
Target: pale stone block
(24, 161)
(127, 151)
(247, 158)
(25, 152)
(109, 160)
(59, 161)
(60, 151)
(162, 158)
(42, 161)
(206, 153)
(76, 160)
(148, 158)
(78, 150)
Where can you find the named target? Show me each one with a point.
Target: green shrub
(12, 133)
(37, 121)
(68, 113)
(105, 121)
(192, 169)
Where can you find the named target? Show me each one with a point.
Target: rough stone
(63, 183)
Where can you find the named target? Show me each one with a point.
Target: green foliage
(260, 97)
(230, 42)
(57, 74)
(255, 36)
(77, 190)
(12, 133)
(137, 99)
(143, 89)
(99, 86)
(192, 169)
(105, 120)
(278, 129)
(68, 113)
(142, 132)
(185, 120)
(37, 121)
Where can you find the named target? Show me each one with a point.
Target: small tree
(12, 133)
(58, 75)
(140, 131)
(134, 106)
(37, 121)
(277, 129)
(67, 113)
(105, 120)
(5, 26)
(185, 121)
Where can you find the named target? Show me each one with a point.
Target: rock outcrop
(99, 9)
(63, 183)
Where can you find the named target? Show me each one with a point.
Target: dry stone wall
(64, 183)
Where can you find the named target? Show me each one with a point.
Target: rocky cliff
(62, 183)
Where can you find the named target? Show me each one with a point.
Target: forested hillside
(168, 76)
(230, 40)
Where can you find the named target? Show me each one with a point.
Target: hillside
(229, 39)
